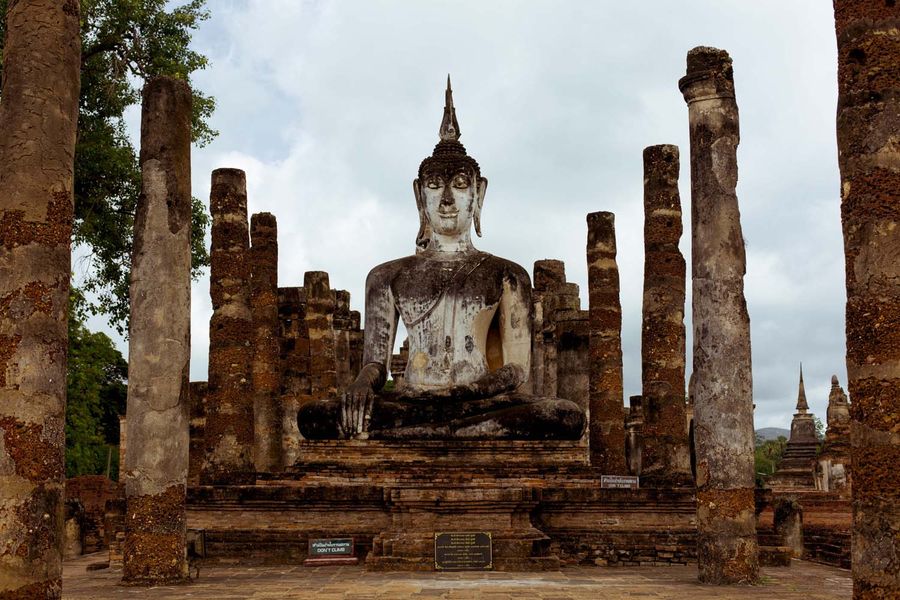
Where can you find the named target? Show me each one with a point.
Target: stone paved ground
(803, 580)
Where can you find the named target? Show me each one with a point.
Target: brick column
(159, 343)
(607, 411)
(320, 326)
(229, 410)
(265, 367)
(341, 323)
(666, 458)
(294, 367)
(38, 115)
(723, 390)
(868, 129)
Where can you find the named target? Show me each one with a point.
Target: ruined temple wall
(559, 354)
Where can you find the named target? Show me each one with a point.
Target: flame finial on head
(449, 126)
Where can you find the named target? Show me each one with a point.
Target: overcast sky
(330, 106)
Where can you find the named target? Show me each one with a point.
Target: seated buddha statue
(468, 315)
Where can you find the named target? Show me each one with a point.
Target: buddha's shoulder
(508, 268)
(387, 271)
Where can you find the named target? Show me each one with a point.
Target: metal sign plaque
(326, 547)
(463, 551)
(619, 481)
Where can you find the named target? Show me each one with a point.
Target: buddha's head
(449, 189)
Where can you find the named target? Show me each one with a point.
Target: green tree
(767, 455)
(96, 392)
(123, 43)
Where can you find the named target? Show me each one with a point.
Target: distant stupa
(797, 467)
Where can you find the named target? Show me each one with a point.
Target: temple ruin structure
(797, 466)
(833, 472)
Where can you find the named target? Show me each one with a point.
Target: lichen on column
(722, 383)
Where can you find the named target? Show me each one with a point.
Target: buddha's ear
(479, 202)
(422, 236)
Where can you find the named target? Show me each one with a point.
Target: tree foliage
(767, 455)
(96, 388)
(124, 42)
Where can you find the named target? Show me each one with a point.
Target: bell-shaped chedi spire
(449, 131)
(802, 406)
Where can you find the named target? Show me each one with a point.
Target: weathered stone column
(266, 367)
(341, 327)
(229, 414)
(868, 130)
(319, 322)
(357, 338)
(549, 281)
(607, 410)
(666, 457)
(294, 367)
(38, 114)
(159, 342)
(573, 356)
(723, 391)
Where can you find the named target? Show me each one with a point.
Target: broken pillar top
(709, 75)
(549, 274)
(602, 230)
(662, 154)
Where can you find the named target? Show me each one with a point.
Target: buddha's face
(450, 200)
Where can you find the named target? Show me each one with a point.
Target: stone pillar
(159, 342)
(319, 323)
(666, 457)
(123, 441)
(198, 394)
(357, 339)
(868, 130)
(294, 367)
(38, 115)
(343, 376)
(229, 408)
(634, 425)
(549, 281)
(788, 523)
(607, 411)
(723, 392)
(266, 367)
(572, 356)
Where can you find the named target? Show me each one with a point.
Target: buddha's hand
(358, 400)
(356, 409)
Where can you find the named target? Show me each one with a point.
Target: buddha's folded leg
(536, 419)
(509, 416)
(320, 420)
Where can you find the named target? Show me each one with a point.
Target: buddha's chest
(447, 317)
